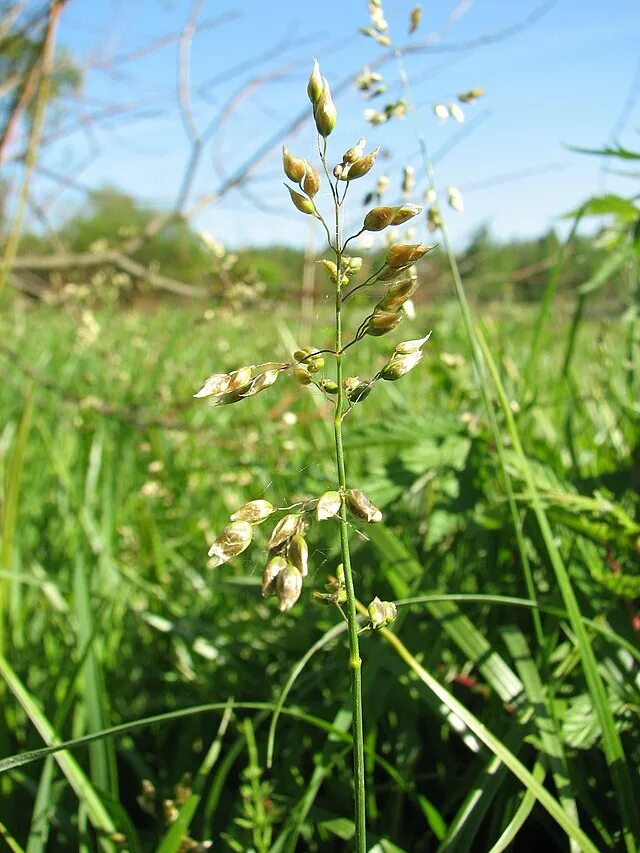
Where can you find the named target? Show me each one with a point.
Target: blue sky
(562, 80)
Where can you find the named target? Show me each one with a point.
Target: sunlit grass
(112, 615)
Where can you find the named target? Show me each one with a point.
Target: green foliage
(112, 218)
(152, 629)
(20, 49)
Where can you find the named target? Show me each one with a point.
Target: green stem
(355, 663)
(478, 363)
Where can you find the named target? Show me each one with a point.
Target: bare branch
(184, 71)
(46, 64)
(86, 260)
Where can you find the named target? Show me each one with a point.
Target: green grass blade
(40, 817)
(472, 642)
(463, 829)
(494, 743)
(612, 745)
(10, 510)
(326, 638)
(173, 838)
(288, 837)
(87, 795)
(10, 841)
(19, 760)
(545, 307)
(545, 719)
(101, 753)
(511, 601)
(220, 777)
(521, 814)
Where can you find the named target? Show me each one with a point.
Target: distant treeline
(108, 227)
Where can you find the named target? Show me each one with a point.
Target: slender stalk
(355, 663)
(33, 145)
(483, 361)
(478, 361)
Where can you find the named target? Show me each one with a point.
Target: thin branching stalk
(287, 560)
(355, 662)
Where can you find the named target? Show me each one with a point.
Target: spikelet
(328, 505)
(272, 569)
(381, 217)
(324, 111)
(283, 530)
(361, 507)
(288, 587)
(254, 512)
(294, 168)
(234, 539)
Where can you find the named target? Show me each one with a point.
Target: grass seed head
(400, 364)
(403, 255)
(311, 182)
(272, 569)
(361, 507)
(407, 347)
(408, 180)
(382, 613)
(471, 96)
(302, 375)
(331, 268)
(457, 113)
(264, 380)
(356, 389)
(288, 587)
(361, 166)
(254, 512)
(214, 385)
(434, 219)
(298, 553)
(455, 199)
(328, 505)
(379, 218)
(294, 167)
(240, 379)
(367, 78)
(329, 386)
(355, 152)
(414, 19)
(392, 273)
(302, 203)
(382, 322)
(324, 112)
(441, 113)
(284, 530)
(234, 539)
(314, 86)
(397, 294)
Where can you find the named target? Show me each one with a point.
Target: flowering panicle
(287, 563)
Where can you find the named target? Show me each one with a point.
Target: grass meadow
(115, 481)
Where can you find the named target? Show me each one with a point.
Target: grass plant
(473, 542)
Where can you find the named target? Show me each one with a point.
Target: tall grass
(500, 705)
(173, 636)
